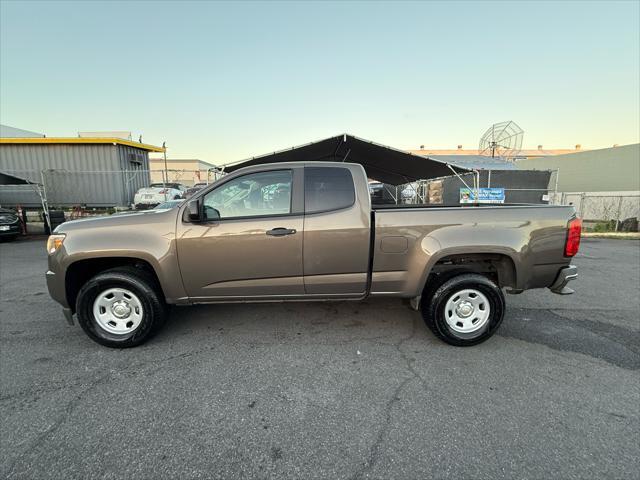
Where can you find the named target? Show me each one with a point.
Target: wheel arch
(500, 266)
(80, 271)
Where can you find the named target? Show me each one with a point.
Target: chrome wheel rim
(467, 311)
(117, 311)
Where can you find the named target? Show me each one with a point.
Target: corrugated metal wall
(605, 170)
(136, 164)
(92, 175)
(24, 195)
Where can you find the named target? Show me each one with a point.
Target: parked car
(380, 194)
(307, 231)
(10, 224)
(162, 206)
(196, 188)
(156, 193)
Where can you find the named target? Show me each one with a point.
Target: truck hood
(129, 221)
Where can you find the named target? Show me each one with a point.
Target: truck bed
(453, 205)
(530, 239)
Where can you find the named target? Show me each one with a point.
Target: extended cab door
(250, 242)
(337, 229)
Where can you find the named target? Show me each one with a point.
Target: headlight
(54, 242)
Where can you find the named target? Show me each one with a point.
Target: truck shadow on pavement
(387, 321)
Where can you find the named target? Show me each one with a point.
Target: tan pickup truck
(307, 231)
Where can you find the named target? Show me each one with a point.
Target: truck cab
(284, 231)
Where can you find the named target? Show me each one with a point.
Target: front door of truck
(250, 242)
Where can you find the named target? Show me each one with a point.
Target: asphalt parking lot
(327, 390)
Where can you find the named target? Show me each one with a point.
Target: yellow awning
(82, 140)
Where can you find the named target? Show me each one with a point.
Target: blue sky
(223, 81)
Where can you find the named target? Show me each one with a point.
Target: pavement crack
(78, 398)
(374, 450)
(66, 414)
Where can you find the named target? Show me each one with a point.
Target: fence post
(45, 202)
(619, 212)
(581, 210)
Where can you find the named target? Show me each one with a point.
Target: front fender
(149, 237)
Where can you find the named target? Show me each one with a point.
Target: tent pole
(459, 177)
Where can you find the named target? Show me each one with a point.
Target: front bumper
(565, 275)
(55, 285)
(57, 291)
(154, 200)
(146, 206)
(10, 229)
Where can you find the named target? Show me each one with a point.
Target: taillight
(572, 244)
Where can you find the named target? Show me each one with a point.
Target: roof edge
(81, 140)
(344, 136)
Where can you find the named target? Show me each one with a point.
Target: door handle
(281, 232)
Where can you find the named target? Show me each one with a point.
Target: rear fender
(439, 255)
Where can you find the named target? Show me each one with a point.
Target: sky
(225, 81)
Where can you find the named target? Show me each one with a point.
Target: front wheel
(464, 310)
(121, 307)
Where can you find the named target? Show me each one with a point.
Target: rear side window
(327, 188)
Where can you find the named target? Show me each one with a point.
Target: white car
(158, 193)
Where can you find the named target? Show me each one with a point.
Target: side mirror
(212, 214)
(193, 211)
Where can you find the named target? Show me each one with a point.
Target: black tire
(139, 282)
(436, 296)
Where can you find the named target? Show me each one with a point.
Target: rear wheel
(121, 307)
(463, 310)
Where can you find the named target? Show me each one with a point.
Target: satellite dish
(502, 139)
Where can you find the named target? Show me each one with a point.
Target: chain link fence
(602, 206)
(98, 189)
(520, 186)
(115, 189)
(186, 177)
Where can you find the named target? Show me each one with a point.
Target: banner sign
(486, 195)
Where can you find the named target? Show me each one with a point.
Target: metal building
(603, 185)
(615, 169)
(93, 172)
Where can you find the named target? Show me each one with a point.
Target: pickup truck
(307, 231)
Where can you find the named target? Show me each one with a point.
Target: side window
(256, 194)
(327, 188)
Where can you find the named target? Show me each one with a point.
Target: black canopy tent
(382, 163)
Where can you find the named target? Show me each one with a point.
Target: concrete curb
(617, 235)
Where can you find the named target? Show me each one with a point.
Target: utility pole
(165, 177)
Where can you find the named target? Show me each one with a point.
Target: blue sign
(485, 195)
